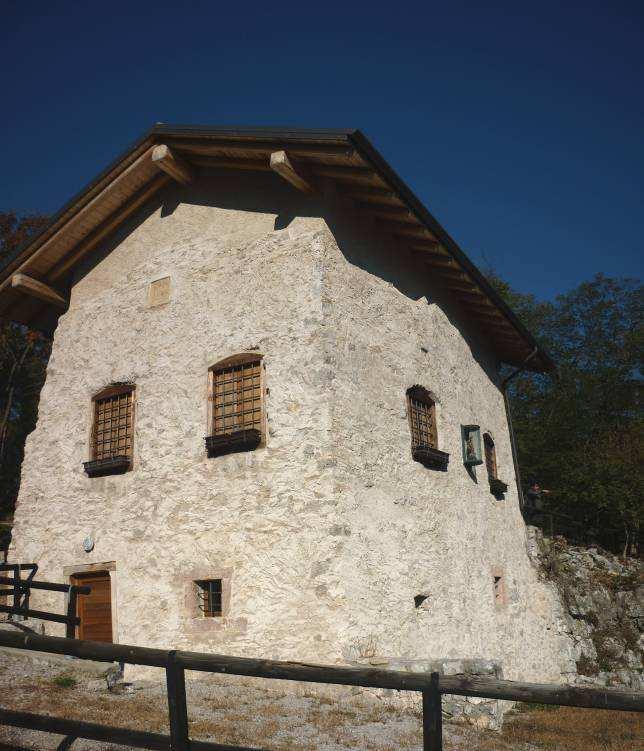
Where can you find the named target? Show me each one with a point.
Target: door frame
(89, 568)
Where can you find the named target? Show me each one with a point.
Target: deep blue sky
(520, 125)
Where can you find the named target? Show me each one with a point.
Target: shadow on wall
(405, 269)
(358, 241)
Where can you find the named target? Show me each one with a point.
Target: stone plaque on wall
(159, 292)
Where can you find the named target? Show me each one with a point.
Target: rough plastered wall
(408, 530)
(255, 519)
(324, 537)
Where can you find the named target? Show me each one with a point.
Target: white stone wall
(327, 533)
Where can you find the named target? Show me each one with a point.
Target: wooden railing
(20, 590)
(175, 663)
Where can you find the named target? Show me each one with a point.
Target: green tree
(579, 431)
(23, 361)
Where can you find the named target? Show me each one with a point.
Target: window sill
(115, 465)
(229, 443)
(430, 457)
(497, 487)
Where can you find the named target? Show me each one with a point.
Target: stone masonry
(325, 536)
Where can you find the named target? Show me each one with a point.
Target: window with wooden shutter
(112, 431)
(236, 405)
(497, 487)
(421, 410)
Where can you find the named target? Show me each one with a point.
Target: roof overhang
(36, 274)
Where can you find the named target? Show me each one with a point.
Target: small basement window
(209, 597)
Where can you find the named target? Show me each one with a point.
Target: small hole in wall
(499, 589)
(419, 600)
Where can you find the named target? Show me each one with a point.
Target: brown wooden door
(95, 609)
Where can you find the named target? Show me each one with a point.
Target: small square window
(209, 597)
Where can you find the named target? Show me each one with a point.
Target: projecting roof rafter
(304, 158)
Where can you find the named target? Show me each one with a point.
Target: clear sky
(520, 125)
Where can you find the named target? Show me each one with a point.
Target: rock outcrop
(603, 608)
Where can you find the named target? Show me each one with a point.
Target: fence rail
(175, 663)
(20, 589)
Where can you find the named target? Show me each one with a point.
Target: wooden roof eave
(343, 156)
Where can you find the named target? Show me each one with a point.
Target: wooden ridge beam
(281, 164)
(40, 290)
(230, 146)
(172, 164)
(213, 162)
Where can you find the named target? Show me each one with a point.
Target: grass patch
(65, 681)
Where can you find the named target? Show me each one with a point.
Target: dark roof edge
(259, 131)
(304, 134)
(74, 199)
(365, 146)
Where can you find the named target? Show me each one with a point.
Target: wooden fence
(175, 663)
(20, 590)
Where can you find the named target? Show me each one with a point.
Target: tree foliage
(23, 360)
(579, 431)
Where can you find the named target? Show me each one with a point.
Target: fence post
(16, 586)
(70, 631)
(432, 717)
(177, 708)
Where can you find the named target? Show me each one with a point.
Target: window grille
(490, 456)
(113, 423)
(424, 434)
(209, 596)
(422, 418)
(237, 397)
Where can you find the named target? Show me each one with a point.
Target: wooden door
(95, 609)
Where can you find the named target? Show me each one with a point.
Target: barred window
(236, 404)
(113, 429)
(422, 418)
(209, 594)
(490, 456)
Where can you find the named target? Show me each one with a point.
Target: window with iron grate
(422, 418)
(421, 410)
(113, 422)
(112, 430)
(236, 405)
(209, 595)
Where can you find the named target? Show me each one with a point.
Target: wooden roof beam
(34, 288)
(106, 227)
(172, 164)
(281, 164)
(385, 211)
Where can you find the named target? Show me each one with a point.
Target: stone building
(273, 422)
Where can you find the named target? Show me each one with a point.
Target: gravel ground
(225, 710)
(237, 711)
